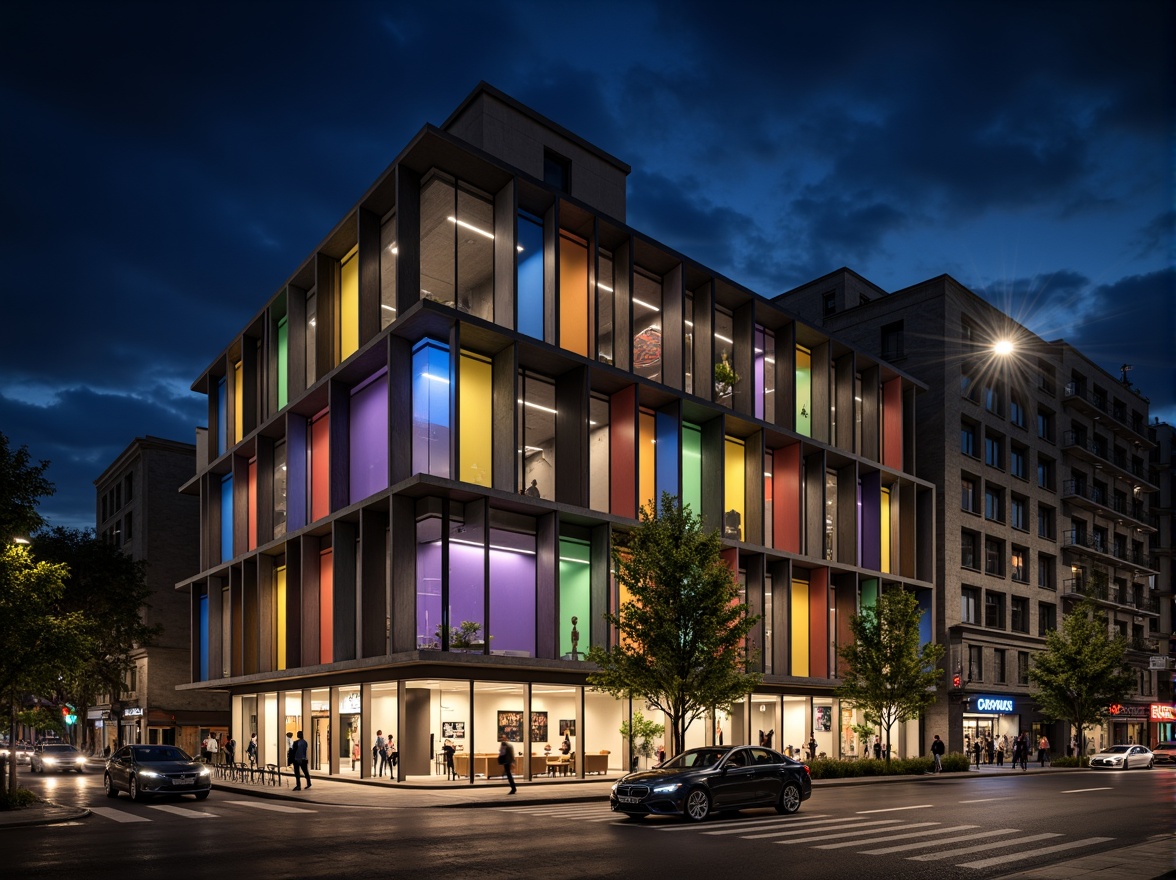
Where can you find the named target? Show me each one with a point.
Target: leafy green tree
(682, 645)
(110, 589)
(887, 675)
(40, 641)
(1082, 671)
(642, 732)
(22, 485)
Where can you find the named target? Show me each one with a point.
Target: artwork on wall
(538, 727)
(453, 729)
(567, 727)
(510, 725)
(823, 718)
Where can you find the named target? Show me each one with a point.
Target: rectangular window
(975, 663)
(994, 400)
(430, 408)
(1045, 425)
(575, 312)
(368, 437)
(129, 486)
(1022, 667)
(998, 665)
(1018, 513)
(283, 362)
(724, 349)
(764, 368)
(969, 605)
(1045, 521)
(319, 451)
(994, 610)
(475, 416)
(128, 527)
(968, 550)
(438, 231)
(238, 402)
(474, 227)
(1018, 466)
(557, 171)
(1046, 575)
(348, 342)
(279, 489)
(1017, 565)
(692, 466)
(226, 525)
(1045, 473)
(968, 439)
(893, 343)
(388, 255)
(734, 496)
(529, 276)
(1047, 617)
(994, 557)
(647, 326)
(598, 453)
(311, 338)
(536, 427)
(804, 391)
(1019, 614)
(605, 299)
(829, 302)
(968, 494)
(1016, 411)
(994, 451)
(993, 504)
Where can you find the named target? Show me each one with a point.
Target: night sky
(167, 165)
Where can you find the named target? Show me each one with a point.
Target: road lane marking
(963, 851)
(1080, 790)
(1045, 850)
(985, 800)
(186, 812)
(861, 833)
(822, 827)
(907, 836)
(806, 825)
(277, 808)
(906, 847)
(896, 809)
(118, 815)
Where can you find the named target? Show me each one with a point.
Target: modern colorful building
(423, 446)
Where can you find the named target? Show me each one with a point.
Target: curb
(61, 814)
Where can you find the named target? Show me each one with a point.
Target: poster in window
(823, 718)
(510, 725)
(453, 729)
(538, 727)
(567, 727)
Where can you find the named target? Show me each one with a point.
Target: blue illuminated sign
(999, 705)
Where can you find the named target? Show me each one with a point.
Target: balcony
(1095, 454)
(1096, 500)
(1139, 562)
(1109, 595)
(1143, 645)
(1095, 406)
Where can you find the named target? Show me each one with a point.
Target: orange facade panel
(892, 424)
(786, 500)
(819, 623)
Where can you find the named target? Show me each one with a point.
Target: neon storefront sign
(1163, 712)
(999, 705)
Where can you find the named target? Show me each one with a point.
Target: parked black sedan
(148, 770)
(715, 778)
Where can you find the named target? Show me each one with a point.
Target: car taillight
(806, 770)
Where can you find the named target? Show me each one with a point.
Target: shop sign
(350, 703)
(1163, 712)
(131, 711)
(1157, 661)
(998, 705)
(1118, 710)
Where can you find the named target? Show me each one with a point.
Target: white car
(59, 757)
(1123, 758)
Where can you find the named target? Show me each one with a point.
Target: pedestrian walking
(251, 751)
(812, 746)
(393, 757)
(289, 749)
(937, 750)
(213, 748)
(354, 753)
(877, 747)
(976, 752)
(231, 751)
(204, 752)
(990, 748)
(1043, 750)
(379, 753)
(1001, 745)
(1024, 743)
(300, 762)
(506, 758)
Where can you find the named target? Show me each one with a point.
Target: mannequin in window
(731, 521)
(533, 489)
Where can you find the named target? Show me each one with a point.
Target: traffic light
(67, 716)
(956, 680)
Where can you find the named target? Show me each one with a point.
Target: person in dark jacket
(506, 758)
(937, 752)
(301, 764)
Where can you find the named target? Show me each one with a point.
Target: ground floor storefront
(556, 728)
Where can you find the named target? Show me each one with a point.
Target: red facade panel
(786, 500)
(892, 424)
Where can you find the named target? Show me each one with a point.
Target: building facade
(1043, 460)
(141, 511)
(423, 447)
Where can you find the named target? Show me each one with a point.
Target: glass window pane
(604, 307)
(575, 318)
(388, 254)
(430, 408)
(438, 236)
(647, 327)
(538, 415)
(598, 453)
(530, 276)
(475, 255)
(574, 598)
(512, 593)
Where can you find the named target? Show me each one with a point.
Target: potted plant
(464, 636)
(641, 732)
(725, 377)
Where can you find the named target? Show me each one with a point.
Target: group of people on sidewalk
(992, 751)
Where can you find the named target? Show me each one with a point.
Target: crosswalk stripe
(264, 805)
(117, 815)
(800, 826)
(909, 846)
(1000, 844)
(831, 825)
(922, 834)
(1083, 790)
(896, 809)
(742, 823)
(863, 833)
(1045, 850)
(186, 812)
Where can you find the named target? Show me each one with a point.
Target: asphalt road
(943, 828)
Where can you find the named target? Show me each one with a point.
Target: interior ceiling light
(388, 307)
(725, 339)
(538, 406)
(641, 302)
(604, 287)
(442, 379)
(471, 227)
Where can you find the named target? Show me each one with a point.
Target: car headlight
(204, 771)
(151, 774)
(48, 760)
(80, 759)
(669, 788)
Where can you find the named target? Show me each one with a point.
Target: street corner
(41, 813)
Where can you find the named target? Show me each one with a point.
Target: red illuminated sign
(1163, 712)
